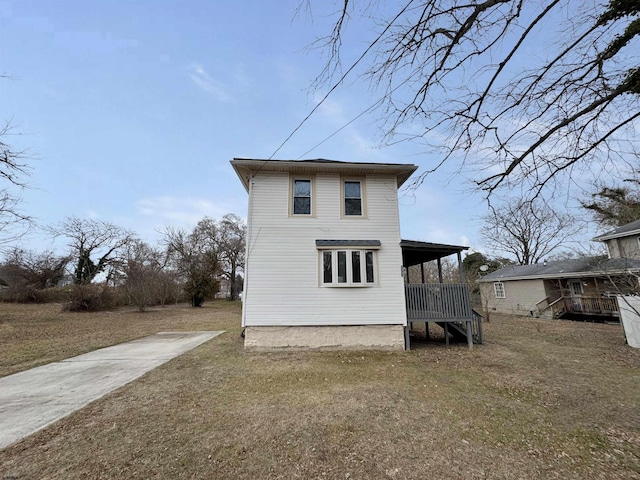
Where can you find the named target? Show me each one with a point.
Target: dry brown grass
(542, 399)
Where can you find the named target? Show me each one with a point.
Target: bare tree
(196, 258)
(231, 239)
(527, 231)
(95, 245)
(516, 93)
(33, 269)
(13, 169)
(144, 272)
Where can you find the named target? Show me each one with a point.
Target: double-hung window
(301, 196)
(498, 288)
(348, 267)
(353, 198)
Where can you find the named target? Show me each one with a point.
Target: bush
(91, 298)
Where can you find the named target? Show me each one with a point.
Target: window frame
(499, 286)
(365, 269)
(363, 197)
(312, 198)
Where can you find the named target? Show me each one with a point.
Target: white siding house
(323, 263)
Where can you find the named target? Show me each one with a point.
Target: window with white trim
(348, 267)
(498, 289)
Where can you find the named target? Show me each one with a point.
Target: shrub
(91, 298)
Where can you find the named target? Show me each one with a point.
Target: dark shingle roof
(348, 243)
(576, 267)
(628, 229)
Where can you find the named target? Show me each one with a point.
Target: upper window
(301, 202)
(354, 268)
(353, 198)
(498, 288)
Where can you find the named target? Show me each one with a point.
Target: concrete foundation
(353, 337)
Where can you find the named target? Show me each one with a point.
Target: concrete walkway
(34, 399)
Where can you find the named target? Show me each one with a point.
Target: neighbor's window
(302, 197)
(356, 268)
(352, 197)
(498, 288)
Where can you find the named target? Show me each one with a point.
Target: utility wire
(342, 78)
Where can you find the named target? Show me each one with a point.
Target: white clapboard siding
(283, 268)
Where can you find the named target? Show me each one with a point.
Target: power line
(342, 78)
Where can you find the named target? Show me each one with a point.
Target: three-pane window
(348, 267)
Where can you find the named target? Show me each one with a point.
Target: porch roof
(572, 268)
(415, 253)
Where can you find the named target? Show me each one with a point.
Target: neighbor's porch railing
(585, 305)
(591, 305)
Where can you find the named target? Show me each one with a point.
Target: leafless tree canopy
(527, 231)
(232, 233)
(196, 258)
(13, 170)
(514, 92)
(95, 245)
(25, 269)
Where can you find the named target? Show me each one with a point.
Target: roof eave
(244, 167)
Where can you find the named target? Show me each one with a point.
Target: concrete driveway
(34, 399)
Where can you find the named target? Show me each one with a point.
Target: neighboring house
(324, 255)
(584, 286)
(623, 242)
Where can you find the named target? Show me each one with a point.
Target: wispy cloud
(206, 82)
(184, 212)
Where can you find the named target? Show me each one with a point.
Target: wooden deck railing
(591, 305)
(438, 302)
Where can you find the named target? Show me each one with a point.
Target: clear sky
(133, 109)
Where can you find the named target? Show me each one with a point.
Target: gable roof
(632, 228)
(244, 167)
(572, 268)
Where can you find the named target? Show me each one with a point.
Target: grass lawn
(541, 399)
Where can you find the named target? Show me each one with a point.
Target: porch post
(439, 271)
(422, 271)
(469, 334)
(407, 340)
(460, 270)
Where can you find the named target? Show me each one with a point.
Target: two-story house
(324, 258)
(623, 242)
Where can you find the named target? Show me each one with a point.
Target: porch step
(458, 331)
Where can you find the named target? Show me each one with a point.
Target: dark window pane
(352, 190)
(355, 267)
(352, 206)
(302, 206)
(328, 274)
(342, 267)
(369, 266)
(302, 188)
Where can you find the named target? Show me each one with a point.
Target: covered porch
(447, 305)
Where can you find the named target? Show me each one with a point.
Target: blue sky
(133, 109)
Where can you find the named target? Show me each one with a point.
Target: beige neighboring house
(582, 287)
(324, 257)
